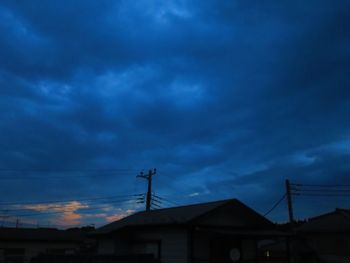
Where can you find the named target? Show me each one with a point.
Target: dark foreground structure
(216, 232)
(21, 245)
(328, 236)
(94, 259)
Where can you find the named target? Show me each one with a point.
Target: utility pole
(148, 177)
(290, 205)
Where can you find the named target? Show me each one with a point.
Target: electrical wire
(324, 195)
(57, 206)
(323, 190)
(48, 174)
(67, 200)
(57, 177)
(320, 190)
(301, 192)
(275, 205)
(322, 185)
(166, 200)
(89, 209)
(155, 205)
(68, 170)
(156, 201)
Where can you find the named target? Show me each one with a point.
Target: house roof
(337, 221)
(186, 215)
(40, 234)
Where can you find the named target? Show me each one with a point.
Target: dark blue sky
(225, 98)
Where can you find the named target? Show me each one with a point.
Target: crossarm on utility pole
(148, 177)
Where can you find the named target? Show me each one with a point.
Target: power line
(68, 170)
(48, 174)
(166, 200)
(94, 208)
(322, 185)
(57, 212)
(275, 205)
(156, 201)
(322, 190)
(56, 206)
(156, 206)
(320, 194)
(57, 177)
(68, 200)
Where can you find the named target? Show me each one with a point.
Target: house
(328, 235)
(221, 231)
(20, 245)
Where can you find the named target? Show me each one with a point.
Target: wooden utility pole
(290, 205)
(148, 177)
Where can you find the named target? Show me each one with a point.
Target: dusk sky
(226, 99)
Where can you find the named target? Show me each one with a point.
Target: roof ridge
(310, 219)
(156, 211)
(344, 212)
(185, 214)
(182, 206)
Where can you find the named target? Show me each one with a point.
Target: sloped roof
(334, 222)
(183, 215)
(40, 234)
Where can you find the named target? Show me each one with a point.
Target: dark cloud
(224, 98)
(318, 167)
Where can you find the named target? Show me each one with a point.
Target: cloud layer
(226, 99)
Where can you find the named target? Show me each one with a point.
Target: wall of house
(249, 249)
(106, 246)
(32, 249)
(113, 245)
(338, 245)
(172, 242)
(202, 247)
